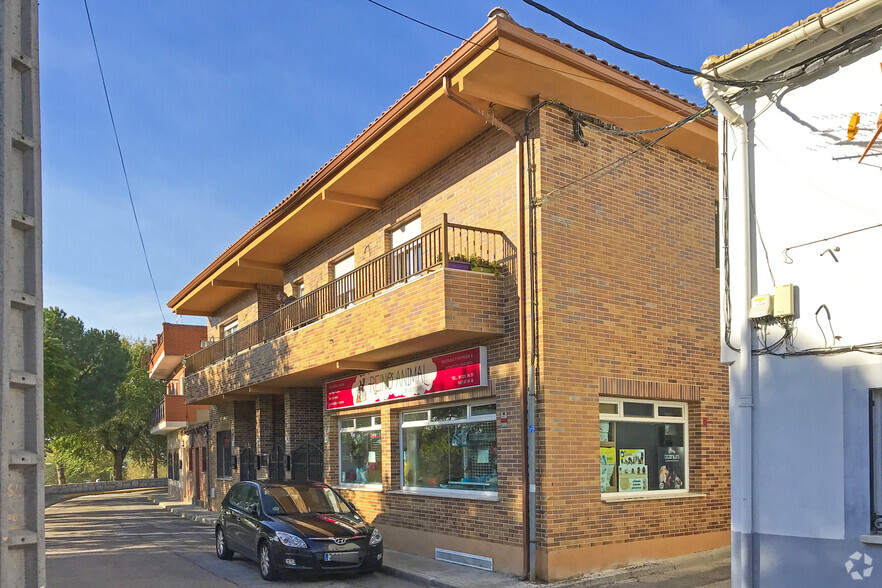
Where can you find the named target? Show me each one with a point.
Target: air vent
(464, 559)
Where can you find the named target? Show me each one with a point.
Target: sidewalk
(685, 571)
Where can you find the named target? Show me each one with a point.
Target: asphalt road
(115, 540)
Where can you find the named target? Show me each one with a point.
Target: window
(450, 448)
(876, 461)
(298, 289)
(361, 451)
(224, 455)
(408, 260)
(229, 328)
(346, 286)
(643, 446)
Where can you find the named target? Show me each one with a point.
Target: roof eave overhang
(242, 266)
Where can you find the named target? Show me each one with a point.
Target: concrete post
(22, 536)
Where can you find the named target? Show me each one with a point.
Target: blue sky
(222, 110)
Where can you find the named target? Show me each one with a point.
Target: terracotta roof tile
(716, 60)
(295, 193)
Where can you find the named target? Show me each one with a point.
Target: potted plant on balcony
(479, 264)
(459, 261)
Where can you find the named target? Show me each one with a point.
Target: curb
(186, 511)
(638, 571)
(415, 578)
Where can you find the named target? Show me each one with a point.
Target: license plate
(342, 556)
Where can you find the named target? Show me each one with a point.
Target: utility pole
(22, 533)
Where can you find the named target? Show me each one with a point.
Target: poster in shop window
(671, 468)
(607, 469)
(632, 470)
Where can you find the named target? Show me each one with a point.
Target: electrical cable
(798, 69)
(617, 163)
(122, 160)
(503, 53)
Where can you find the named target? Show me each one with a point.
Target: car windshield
(289, 500)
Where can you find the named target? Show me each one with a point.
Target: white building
(798, 206)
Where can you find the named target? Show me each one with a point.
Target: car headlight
(376, 537)
(289, 540)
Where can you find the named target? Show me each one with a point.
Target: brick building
(184, 425)
(419, 338)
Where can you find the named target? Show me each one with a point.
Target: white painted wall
(808, 185)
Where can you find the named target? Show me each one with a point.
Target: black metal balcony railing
(158, 414)
(436, 247)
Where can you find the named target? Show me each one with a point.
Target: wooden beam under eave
(261, 265)
(177, 310)
(494, 94)
(367, 366)
(234, 284)
(351, 200)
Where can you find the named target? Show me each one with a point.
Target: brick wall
(615, 256)
(629, 291)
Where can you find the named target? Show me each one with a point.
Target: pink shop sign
(452, 371)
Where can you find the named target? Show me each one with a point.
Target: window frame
(223, 464)
(445, 492)
(620, 417)
(224, 327)
(376, 425)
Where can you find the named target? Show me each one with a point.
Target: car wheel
(220, 542)
(267, 570)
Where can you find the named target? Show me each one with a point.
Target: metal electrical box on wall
(785, 301)
(760, 306)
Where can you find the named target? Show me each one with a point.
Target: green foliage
(98, 399)
(100, 362)
(80, 456)
(136, 398)
(59, 383)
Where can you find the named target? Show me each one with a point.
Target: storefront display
(632, 470)
(643, 446)
(450, 448)
(361, 451)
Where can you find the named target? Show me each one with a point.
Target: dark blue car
(296, 526)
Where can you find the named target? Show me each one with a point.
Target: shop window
(361, 460)
(450, 448)
(224, 454)
(643, 446)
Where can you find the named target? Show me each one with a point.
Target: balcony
(173, 414)
(413, 298)
(170, 347)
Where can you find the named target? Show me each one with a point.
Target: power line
(500, 52)
(122, 160)
(619, 162)
(782, 76)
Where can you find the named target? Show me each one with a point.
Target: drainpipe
(528, 446)
(741, 381)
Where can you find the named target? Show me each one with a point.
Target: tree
(151, 450)
(82, 370)
(135, 399)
